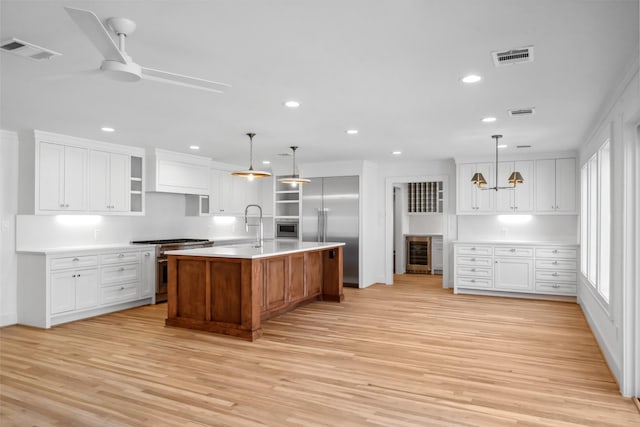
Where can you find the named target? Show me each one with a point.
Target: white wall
(541, 228)
(8, 209)
(425, 224)
(613, 325)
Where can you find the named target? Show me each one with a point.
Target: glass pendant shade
(478, 179)
(515, 178)
(294, 179)
(250, 173)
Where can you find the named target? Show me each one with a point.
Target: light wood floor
(412, 354)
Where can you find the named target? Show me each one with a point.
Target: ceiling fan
(117, 64)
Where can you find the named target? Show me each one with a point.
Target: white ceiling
(388, 68)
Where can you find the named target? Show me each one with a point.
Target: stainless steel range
(162, 246)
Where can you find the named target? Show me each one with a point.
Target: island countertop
(249, 251)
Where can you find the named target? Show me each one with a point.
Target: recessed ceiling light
(292, 104)
(107, 129)
(502, 146)
(266, 162)
(352, 131)
(396, 153)
(489, 119)
(471, 78)
(194, 147)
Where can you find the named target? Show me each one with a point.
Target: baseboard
(609, 357)
(8, 319)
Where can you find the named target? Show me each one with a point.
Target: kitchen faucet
(260, 233)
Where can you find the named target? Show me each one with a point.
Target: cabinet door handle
(62, 205)
(78, 275)
(121, 269)
(473, 269)
(122, 288)
(66, 206)
(147, 254)
(73, 275)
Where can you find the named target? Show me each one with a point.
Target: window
(595, 226)
(425, 197)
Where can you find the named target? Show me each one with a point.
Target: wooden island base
(233, 295)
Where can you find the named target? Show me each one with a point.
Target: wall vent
(523, 146)
(513, 56)
(27, 50)
(522, 112)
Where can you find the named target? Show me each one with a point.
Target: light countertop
(248, 251)
(81, 248)
(514, 242)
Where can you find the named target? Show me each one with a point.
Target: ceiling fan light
(515, 178)
(478, 179)
(250, 173)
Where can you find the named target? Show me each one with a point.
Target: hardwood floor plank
(412, 354)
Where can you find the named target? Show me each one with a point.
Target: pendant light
(294, 179)
(514, 179)
(250, 174)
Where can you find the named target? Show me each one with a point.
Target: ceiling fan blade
(182, 80)
(97, 33)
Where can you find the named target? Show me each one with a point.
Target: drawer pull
(473, 259)
(73, 275)
(473, 249)
(555, 251)
(555, 285)
(121, 269)
(122, 288)
(473, 269)
(512, 250)
(120, 255)
(555, 274)
(75, 259)
(147, 254)
(78, 275)
(555, 262)
(473, 280)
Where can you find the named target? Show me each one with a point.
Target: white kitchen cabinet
(471, 199)
(109, 181)
(172, 172)
(83, 176)
(267, 196)
(197, 205)
(230, 194)
(58, 286)
(555, 186)
(520, 199)
(537, 270)
(61, 183)
(513, 273)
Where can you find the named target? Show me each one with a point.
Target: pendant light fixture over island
(250, 173)
(514, 179)
(294, 179)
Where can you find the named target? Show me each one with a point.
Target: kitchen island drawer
(120, 274)
(555, 264)
(120, 258)
(474, 250)
(474, 271)
(118, 293)
(470, 282)
(556, 276)
(513, 251)
(74, 262)
(474, 261)
(556, 288)
(569, 253)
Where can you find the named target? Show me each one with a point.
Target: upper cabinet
(555, 190)
(471, 199)
(549, 187)
(520, 199)
(61, 178)
(171, 172)
(230, 195)
(82, 176)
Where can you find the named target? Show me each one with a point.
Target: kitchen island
(231, 289)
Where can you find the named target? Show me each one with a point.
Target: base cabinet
(542, 270)
(60, 287)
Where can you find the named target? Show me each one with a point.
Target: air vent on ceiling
(27, 50)
(522, 112)
(523, 146)
(513, 56)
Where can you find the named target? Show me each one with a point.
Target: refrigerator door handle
(325, 220)
(320, 226)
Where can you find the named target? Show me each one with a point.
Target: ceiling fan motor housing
(116, 70)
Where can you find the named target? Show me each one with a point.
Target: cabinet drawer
(120, 257)
(512, 251)
(74, 262)
(570, 253)
(120, 274)
(560, 276)
(474, 261)
(474, 250)
(474, 271)
(556, 288)
(556, 264)
(468, 282)
(118, 293)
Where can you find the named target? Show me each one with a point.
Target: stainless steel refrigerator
(331, 213)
